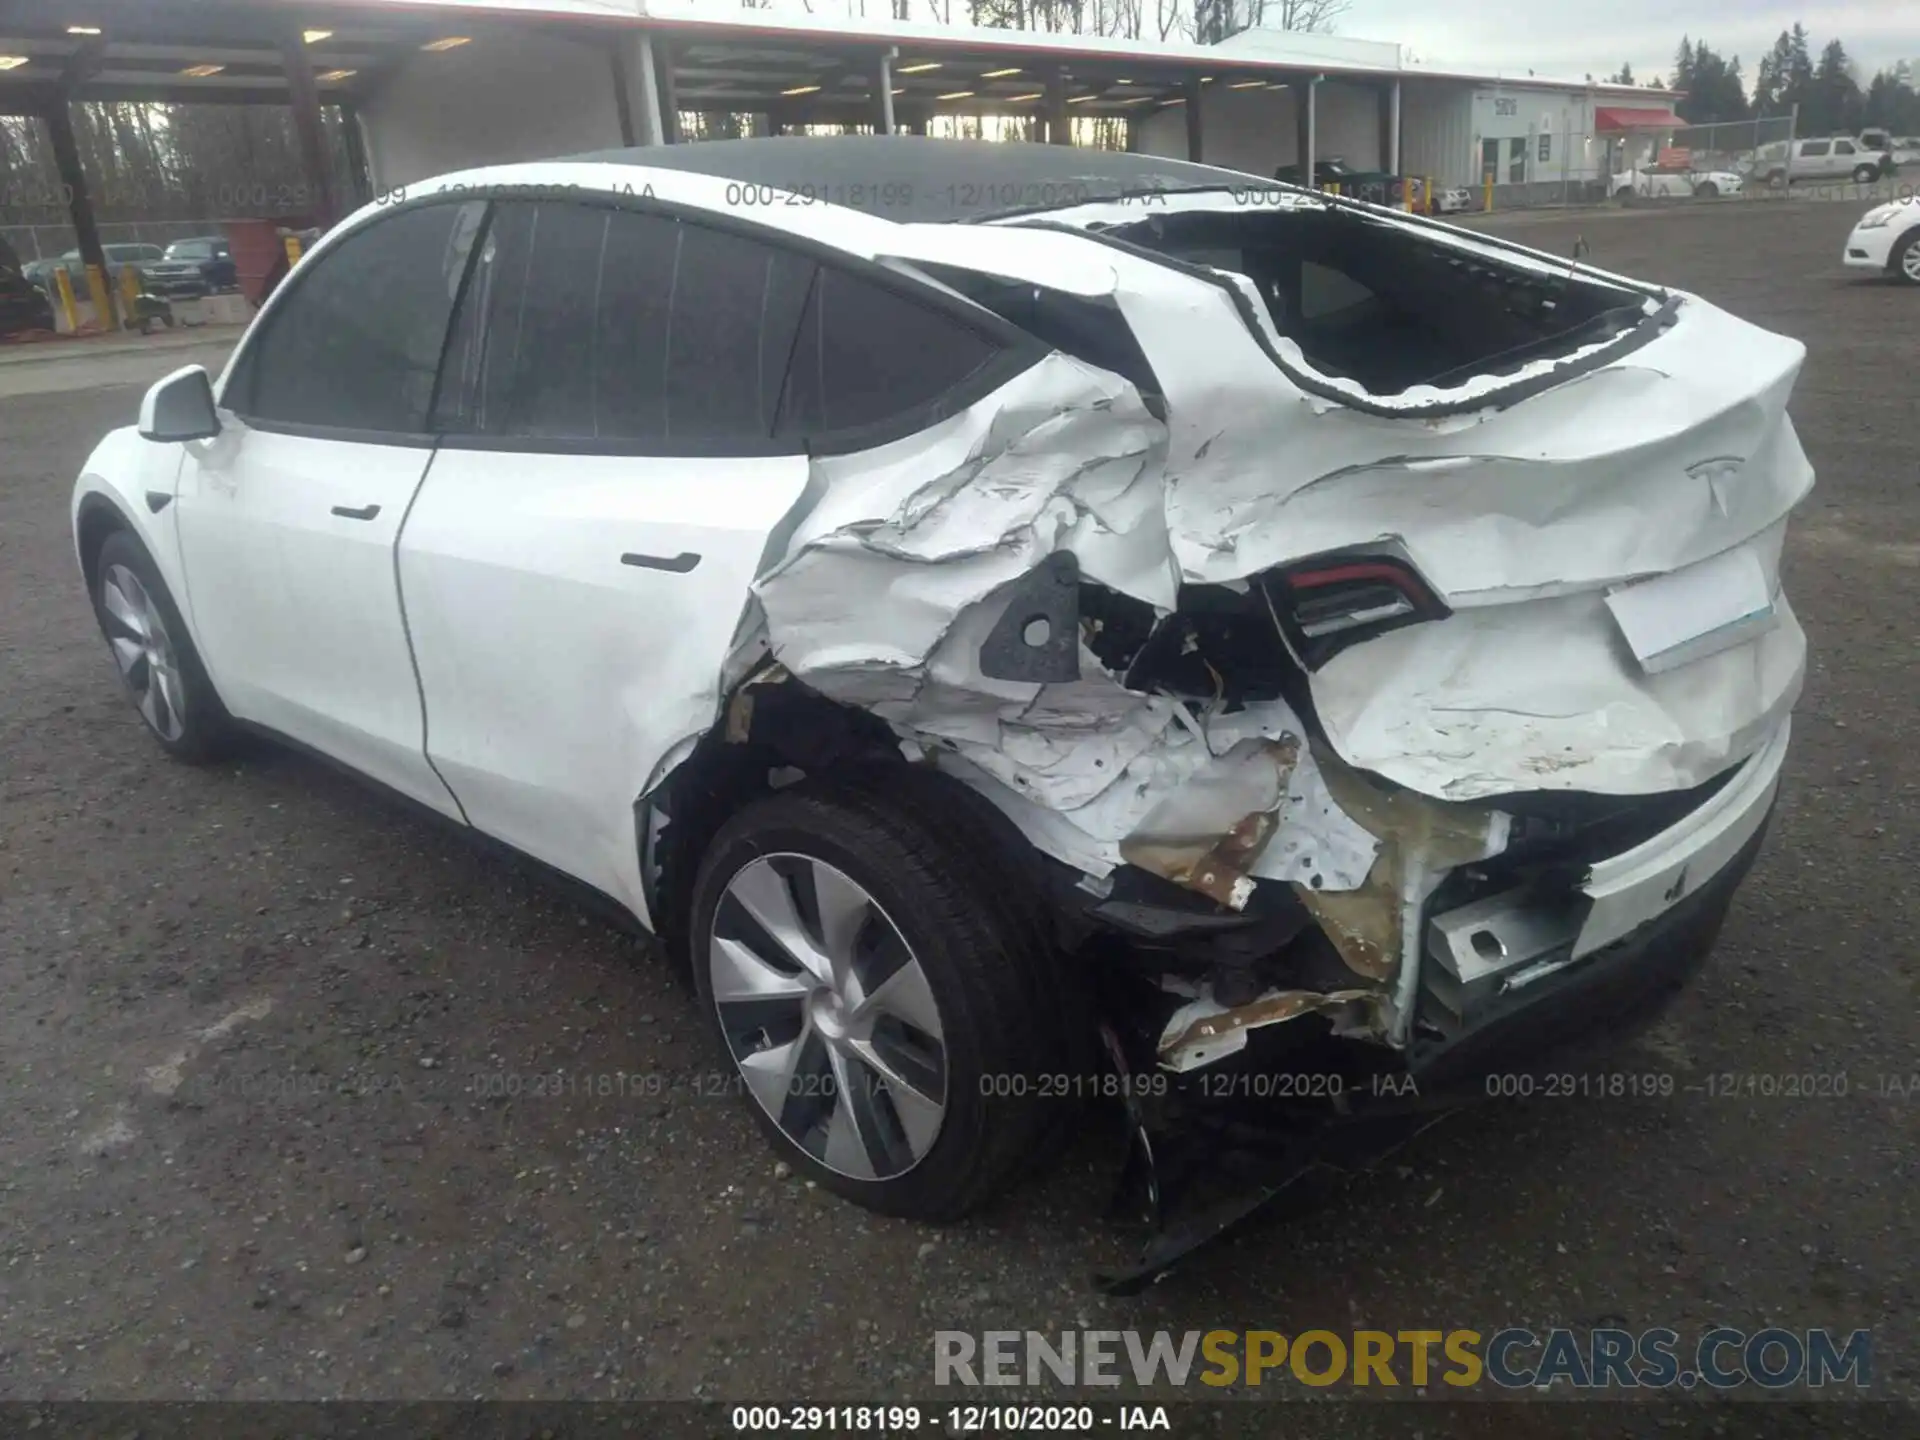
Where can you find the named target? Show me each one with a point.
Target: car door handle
(365, 512)
(679, 564)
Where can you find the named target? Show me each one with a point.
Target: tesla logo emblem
(1678, 888)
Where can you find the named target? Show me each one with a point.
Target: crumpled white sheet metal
(890, 584)
(1521, 517)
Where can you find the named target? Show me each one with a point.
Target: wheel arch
(770, 724)
(97, 516)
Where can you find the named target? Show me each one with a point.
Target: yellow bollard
(1488, 201)
(101, 296)
(1426, 192)
(63, 283)
(129, 286)
(1406, 193)
(293, 250)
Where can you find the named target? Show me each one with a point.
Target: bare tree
(1216, 20)
(1309, 15)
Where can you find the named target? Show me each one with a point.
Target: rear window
(189, 250)
(868, 357)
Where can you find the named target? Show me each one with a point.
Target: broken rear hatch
(1541, 441)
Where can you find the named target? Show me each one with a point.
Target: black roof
(912, 178)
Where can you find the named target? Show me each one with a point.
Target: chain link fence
(50, 242)
(1548, 167)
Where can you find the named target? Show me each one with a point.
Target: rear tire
(1865, 174)
(878, 995)
(1706, 190)
(154, 653)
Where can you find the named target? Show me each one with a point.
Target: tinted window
(1843, 147)
(867, 356)
(1814, 147)
(356, 342)
(604, 324)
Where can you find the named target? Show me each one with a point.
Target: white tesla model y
(1006, 616)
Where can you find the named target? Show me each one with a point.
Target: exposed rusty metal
(1217, 863)
(740, 716)
(1224, 1032)
(1364, 924)
(739, 727)
(1419, 837)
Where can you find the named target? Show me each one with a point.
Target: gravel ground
(244, 1156)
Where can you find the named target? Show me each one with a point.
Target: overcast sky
(1574, 37)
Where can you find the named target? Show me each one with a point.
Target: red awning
(1608, 119)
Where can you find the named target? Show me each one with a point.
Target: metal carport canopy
(667, 58)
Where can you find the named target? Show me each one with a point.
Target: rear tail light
(1331, 602)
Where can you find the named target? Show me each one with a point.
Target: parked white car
(1887, 239)
(1453, 200)
(1670, 184)
(1002, 611)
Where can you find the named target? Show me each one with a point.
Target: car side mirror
(180, 407)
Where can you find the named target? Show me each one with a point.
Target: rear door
(630, 403)
(577, 560)
(1815, 161)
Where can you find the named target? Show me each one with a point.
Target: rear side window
(868, 358)
(586, 323)
(1816, 147)
(356, 343)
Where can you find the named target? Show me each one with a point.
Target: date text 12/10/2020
(954, 1420)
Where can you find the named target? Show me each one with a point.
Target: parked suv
(195, 267)
(1249, 634)
(1836, 158)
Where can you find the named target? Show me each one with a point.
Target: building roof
(721, 58)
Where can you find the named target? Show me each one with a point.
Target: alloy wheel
(1910, 261)
(144, 652)
(827, 1013)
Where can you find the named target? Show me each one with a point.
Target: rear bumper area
(1509, 979)
(1603, 1000)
